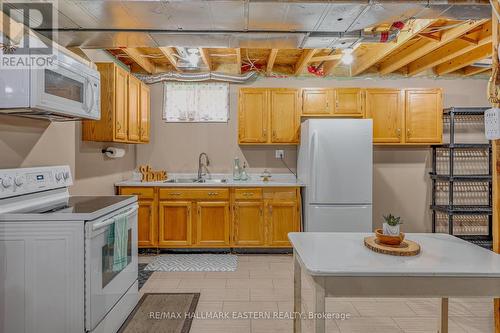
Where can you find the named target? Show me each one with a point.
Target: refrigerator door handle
(313, 149)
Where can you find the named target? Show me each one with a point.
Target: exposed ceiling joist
(329, 66)
(431, 37)
(205, 57)
(304, 59)
(270, 61)
(424, 46)
(473, 70)
(379, 52)
(143, 62)
(170, 53)
(238, 60)
(479, 53)
(449, 51)
(330, 57)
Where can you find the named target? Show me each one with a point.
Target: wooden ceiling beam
(381, 51)
(205, 57)
(170, 53)
(143, 62)
(449, 51)
(473, 70)
(330, 57)
(423, 47)
(238, 60)
(431, 37)
(270, 61)
(479, 53)
(304, 59)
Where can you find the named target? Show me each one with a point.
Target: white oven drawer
(103, 286)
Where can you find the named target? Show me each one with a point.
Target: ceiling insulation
(238, 23)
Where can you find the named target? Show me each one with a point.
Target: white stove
(57, 255)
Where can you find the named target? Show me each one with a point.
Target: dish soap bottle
(236, 169)
(244, 174)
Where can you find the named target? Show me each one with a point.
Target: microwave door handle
(111, 220)
(85, 94)
(92, 99)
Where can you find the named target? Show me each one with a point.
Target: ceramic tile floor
(264, 283)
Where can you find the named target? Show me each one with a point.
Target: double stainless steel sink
(195, 181)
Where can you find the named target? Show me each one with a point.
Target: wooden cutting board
(405, 249)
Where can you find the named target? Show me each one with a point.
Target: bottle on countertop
(236, 169)
(244, 174)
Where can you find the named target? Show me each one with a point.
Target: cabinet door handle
(274, 134)
(199, 210)
(175, 193)
(271, 209)
(118, 126)
(399, 132)
(260, 211)
(247, 194)
(408, 132)
(264, 132)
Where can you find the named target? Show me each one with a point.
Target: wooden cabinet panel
(253, 115)
(284, 116)
(175, 227)
(248, 223)
(348, 102)
(248, 193)
(141, 192)
(385, 107)
(134, 105)
(423, 116)
(146, 225)
(121, 103)
(194, 193)
(212, 223)
(317, 102)
(145, 114)
(282, 219)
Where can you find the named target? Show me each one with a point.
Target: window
(196, 102)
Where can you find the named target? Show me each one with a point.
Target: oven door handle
(111, 220)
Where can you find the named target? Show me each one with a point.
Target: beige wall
(27, 143)
(401, 183)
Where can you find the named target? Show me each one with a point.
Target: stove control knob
(19, 180)
(59, 176)
(7, 182)
(66, 175)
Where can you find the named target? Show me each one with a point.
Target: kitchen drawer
(247, 193)
(194, 194)
(141, 192)
(285, 193)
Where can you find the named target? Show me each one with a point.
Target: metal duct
(197, 77)
(385, 36)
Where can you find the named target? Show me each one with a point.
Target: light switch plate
(280, 153)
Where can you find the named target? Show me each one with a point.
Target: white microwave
(70, 90)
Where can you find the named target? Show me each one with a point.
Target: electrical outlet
(280, 154)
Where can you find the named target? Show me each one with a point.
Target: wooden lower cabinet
(282, 219)
(175, 225)
(219, 218)
(146, 224)
(212, 223)
(248, 224)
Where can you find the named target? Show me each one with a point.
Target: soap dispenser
(236, 169)
(244, 174)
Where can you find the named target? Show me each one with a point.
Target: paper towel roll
(113, 152)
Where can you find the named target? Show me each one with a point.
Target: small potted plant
(391, 225)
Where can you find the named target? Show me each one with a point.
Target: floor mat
(194, 263)
(143, 275)
(162, 313)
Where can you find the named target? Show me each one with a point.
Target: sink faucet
(202, 166)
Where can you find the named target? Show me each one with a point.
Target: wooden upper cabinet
(385, 107)
(134, 106)
(317, 102)
(253, 115)
(424, 116)
(212, 223)
(285, 121)
(125, 108)
(348, 102)
(174, 221)
(121, 103)
(145, 114)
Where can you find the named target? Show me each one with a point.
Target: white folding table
(339, 265)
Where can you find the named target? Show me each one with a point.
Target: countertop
(344, 254)
(277, 180)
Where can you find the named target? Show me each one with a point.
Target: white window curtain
(196, 102)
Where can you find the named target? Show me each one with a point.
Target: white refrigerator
(335, 164)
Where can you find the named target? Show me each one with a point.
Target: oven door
(70, 88)
(104, 286)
